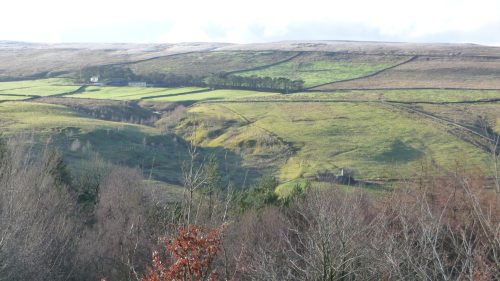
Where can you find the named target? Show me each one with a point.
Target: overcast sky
(153, 21)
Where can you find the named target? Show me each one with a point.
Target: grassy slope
(121, 143)
(467, 114)
(375, 141)
(75, 133)
(49, 117)
(317, 69)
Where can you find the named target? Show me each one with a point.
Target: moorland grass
(206, 63)
(433, 72)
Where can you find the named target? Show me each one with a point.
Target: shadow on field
(158, 156)
(399, 152)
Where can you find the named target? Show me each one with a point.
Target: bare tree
(37, 230)
(119, 241)
(492, 141)
(328, 237)
(194, 179)
(444, 231)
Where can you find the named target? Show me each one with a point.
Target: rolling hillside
(383, 110)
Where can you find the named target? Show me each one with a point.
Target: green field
(166, 94)
(129, 93)
(373, 140)
(316, 69)
(216, 95)
(466, 114)
(12, 97)
(43, 87)
(46, 118)
(406, 95)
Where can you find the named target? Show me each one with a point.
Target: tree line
(118, 75)
(281, 84)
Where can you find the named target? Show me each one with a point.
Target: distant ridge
(27, 60)
(372, 47)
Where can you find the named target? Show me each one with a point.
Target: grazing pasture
(42, 87)
(454, 72)
(12, 97)
(129, 93)
(468, 115)
(374, 140)
(402, 95)
(216, 95)
(319, 68)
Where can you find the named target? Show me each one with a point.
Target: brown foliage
(190, 256)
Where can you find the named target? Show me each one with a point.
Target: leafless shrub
(492, 144)
(444, 228)
(447, 230)
(327, 240)
(37, 232)
(116, 245)
(255, 249)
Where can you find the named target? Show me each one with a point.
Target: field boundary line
(266, 65)
(252, 123)
(447, 123)
(400, 89)
(350, 101)
(177, 94)
(16, 95)
(79, 90)
(444, 120)
(159, 57)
